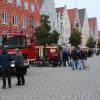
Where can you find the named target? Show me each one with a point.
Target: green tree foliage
(75, 38)
(43, 34)
(53, 37)
(90, 42)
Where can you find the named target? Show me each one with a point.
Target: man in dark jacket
(19, 64)
(75, 58)
(65, 57)
(5, 61)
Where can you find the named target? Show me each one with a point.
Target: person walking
(82, 57)
(65, 57)
(19, 65)
(5, 62)
(75, 58)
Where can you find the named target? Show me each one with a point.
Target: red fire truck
(11, 41)
(30, 51)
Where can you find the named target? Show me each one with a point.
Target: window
(32, 8)
(77, 24)
(10, 1)
(24, 23)
(26, 5)
(18, 3)
(12, 41)
(4, 18)
(61, 16)
(15, 20)
(31, 21)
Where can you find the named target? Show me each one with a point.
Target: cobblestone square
(59, 83)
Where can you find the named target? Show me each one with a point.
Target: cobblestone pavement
(60, 83)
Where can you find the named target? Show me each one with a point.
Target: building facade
(48, 8)
(19, 16)
(63, 26)
(93, 28)
(74, 18)
(84, 26)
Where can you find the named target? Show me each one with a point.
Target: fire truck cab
(11, 41)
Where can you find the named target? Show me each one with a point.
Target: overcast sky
(92, 6)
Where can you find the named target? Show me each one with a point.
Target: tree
(75, 38)
(43, 31)
(43, 34)
(53, 37)
(90, 42)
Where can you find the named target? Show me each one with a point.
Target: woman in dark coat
(5, 62)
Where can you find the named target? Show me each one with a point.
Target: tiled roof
(60, 9)
(72, 14)
(92, 21)
(81, 15)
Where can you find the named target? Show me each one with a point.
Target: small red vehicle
(51, 52)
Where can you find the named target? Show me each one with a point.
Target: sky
(92, 7)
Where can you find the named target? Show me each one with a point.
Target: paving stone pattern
(60, 83)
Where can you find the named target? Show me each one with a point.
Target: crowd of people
(5, 62)
(72, 57)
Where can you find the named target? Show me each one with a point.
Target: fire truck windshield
(12, 41)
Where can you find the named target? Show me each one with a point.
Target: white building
(84, 26)
(48, 8)
(63, 26)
